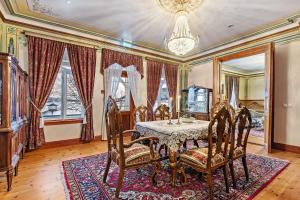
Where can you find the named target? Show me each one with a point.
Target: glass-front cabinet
(13, 114)
(196, 102)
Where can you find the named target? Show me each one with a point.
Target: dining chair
(127, 156)
(240, 131)
(207, 159)
(219, 105)
(140, 115)
(162, 112)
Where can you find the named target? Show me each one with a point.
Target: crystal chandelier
(181, 40)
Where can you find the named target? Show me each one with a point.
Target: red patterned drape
(154, 71)
(171, 78)
(83, 63)
(110, 57)
(44, 58)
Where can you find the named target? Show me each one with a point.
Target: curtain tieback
(84, 121)
(42, 123)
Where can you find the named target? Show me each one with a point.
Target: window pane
(123, 95)
(163, 93)
(73, 103)
(53, 107)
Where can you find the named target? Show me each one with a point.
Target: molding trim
(269, 29)
(286, 147)
(61, 143)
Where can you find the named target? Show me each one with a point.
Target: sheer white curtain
(134, 78)
(112, 78)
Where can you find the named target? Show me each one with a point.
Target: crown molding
(38, 26)
(8, 14)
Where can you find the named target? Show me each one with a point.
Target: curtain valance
(110, 57)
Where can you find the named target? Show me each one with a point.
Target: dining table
(173, 134)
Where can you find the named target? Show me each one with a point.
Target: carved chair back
(240, 130)
(114, 128)
(162, 112)
(221, 126)
(141, 114)
(219, 105)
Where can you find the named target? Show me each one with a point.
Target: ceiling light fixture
(181, 40)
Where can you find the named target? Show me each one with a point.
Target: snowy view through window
(163, 93)
(64, 101)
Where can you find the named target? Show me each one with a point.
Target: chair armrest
(150, 138)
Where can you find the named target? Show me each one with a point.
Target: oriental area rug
(83, 180)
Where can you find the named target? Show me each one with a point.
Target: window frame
(63, 117)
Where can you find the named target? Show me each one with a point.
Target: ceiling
(146, 24)
(246, 65)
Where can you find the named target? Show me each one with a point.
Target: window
(163, 92)
(64, 101)
(233, 102)
(123, 95)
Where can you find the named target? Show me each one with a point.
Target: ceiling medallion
(181, 40)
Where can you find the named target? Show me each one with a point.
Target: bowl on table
(187, 120)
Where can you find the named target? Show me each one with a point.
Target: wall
(287, 82)
(66, 131)
(256, 88)
(287, 93)
(201, 75)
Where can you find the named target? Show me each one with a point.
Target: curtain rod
(162, 60)
(93, 44)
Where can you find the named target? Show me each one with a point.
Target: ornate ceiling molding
(245, 38)
(173, 6)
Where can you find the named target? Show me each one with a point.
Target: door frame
(268, 50)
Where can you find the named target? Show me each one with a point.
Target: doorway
(246, 79)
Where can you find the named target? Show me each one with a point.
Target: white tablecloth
(172, 135)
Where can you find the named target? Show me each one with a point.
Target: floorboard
(40, 176)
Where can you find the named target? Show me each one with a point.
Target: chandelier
(181, 40)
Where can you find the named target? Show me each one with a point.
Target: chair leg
(226, 178)
(107, 168)
(196, 143)
(159, 151)
(157, 170)
(232, 174)
(120, 182)
(210, 185)
(245, 168)
(166, 150)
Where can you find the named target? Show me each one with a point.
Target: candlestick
(178, 103)
(178, 121)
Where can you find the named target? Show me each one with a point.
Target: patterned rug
(83, 180)
(257, 133)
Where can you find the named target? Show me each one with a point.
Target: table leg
(173, 165)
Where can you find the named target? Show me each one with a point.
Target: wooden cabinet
(13, 114)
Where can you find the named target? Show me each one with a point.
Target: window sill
(62, 121)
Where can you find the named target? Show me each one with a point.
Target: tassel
(84, 119)
(42, 123)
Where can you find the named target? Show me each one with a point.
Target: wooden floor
(40, 176)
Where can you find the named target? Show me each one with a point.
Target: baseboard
(68, 142)
(286, 147)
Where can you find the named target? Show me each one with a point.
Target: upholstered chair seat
(199, 157)
(135, 155)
